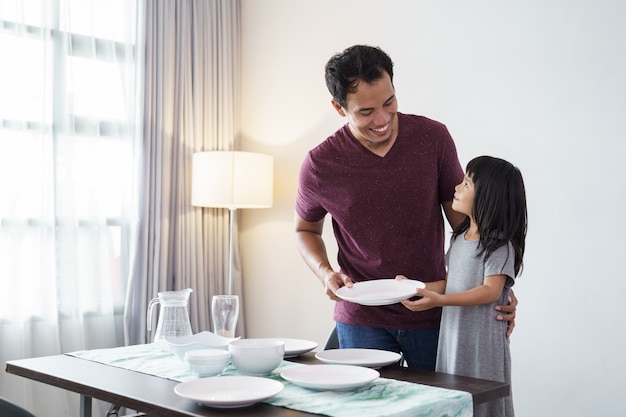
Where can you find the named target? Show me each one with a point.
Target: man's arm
(313, 250)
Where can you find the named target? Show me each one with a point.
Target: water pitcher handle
(151, 305)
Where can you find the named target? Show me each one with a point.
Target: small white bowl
(256, 356)
(207, 362)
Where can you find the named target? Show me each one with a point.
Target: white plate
(295, 347)
(330, 377)
(380, 292)
(229, 391)
(372, 358)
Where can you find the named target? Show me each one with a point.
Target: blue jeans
(418, 347)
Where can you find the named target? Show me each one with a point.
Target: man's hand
(508, 313)
(335, 280)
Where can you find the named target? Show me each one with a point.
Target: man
(384, 178)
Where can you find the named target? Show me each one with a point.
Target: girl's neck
(472, 231)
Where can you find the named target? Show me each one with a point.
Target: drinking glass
(225, 312)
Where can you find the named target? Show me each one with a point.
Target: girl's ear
(338, 107)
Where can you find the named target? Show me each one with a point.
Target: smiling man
(385, 178)
(372, 112)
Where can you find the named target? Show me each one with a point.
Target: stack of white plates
(330, 377)
(372, 358)
(379, 292)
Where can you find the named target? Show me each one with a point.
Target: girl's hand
(430, 299)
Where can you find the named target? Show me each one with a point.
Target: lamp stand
(231, 250)
(232, 180)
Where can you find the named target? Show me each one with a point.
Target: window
(66, 155)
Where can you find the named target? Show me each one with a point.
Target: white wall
(542, 84)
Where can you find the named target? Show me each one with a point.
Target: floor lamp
(232, 180)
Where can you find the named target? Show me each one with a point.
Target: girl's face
(464, 196)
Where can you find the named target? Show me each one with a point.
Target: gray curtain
(189, 103)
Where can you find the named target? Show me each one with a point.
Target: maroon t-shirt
(386, 211)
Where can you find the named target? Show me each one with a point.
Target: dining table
(93, 375)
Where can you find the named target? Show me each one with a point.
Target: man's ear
(338, 107)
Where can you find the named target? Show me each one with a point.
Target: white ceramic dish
(229, 391)
(202, 340)
(330, 377)
(295, 347)
(206, 370)
(372, 358)
(380, 292)
(207, 362)
(256, 356)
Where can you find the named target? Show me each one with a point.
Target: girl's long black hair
(499, 207)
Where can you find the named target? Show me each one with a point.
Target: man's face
(371, 113)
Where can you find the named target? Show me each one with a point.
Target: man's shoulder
(334, 143)
(422, 128)
(419, 120)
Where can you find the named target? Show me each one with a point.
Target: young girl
(484, 258)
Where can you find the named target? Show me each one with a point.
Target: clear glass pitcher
(173, 317)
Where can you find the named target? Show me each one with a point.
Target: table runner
(384, 396)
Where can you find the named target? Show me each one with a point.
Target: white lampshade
(232, 179)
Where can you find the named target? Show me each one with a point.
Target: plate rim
(277, 387)
(332, 386)
(373, 301)
(310, 345)
(376, 364)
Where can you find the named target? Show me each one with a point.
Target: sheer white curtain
(66, 171)
(190, 103)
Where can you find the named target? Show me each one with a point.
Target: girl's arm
(437, 286)
(487, 293)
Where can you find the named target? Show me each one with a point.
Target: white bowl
(202, 340)
(207, 362)
(206, 356)
(204, 371)
(256, 356)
